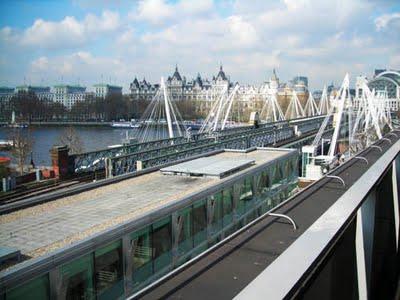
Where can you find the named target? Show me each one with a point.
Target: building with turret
(182, 89)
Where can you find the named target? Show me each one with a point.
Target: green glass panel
(246, 197)
(185, 241)
(142, 255)
(227, 206)
(199, 222)
(216, 223)
(162, 243)
(109, 272)
(77, 279)
(251, 216)
(278, 174)
(37, 288)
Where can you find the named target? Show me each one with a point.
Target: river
(44, 137)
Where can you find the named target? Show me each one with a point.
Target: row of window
(168, 242)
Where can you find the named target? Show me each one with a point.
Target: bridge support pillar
(60, 161)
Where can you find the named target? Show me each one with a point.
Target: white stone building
(69, 95)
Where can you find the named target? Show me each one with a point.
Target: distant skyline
(48, 42)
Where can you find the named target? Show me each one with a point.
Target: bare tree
(71, 138)
(22, 146)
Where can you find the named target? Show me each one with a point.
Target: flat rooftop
(46, 227)
(213, 166)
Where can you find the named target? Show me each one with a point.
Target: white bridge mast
(167, 109)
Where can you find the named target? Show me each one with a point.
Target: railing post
(109, 168)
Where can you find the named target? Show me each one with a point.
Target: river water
(44, 137)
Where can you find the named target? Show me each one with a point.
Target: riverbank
(65, 123)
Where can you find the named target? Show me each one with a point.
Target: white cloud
(157, 12)
(243, 33)
(154, 11)
(127, 37)
(51, 34)
(69, 32)
(294, 5)
(109, 21)
(383, 21)
(320, 39)
(84, 65)
(40, 64)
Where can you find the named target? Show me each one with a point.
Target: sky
(46, 42)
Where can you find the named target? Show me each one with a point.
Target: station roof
(213, 166)
(46, 227)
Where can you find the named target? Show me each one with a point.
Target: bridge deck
(43, 228)
(227, 270)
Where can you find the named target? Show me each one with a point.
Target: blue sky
(86, 41)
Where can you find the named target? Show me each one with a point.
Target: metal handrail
(362, 158)
(377, 147)
(285, 217)
(338, 178)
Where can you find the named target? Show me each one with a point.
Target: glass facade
(142, 256)
(126, 265)
(77, 279)
(162, 244)
(109, 271)
(37, 288)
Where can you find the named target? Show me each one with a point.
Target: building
(142, 90)
(103, 90)
(284, 91)
(42, 92)
(97, 252)
(205, 92)
(69, 95)
(181, 89)
(299, 84)
(6, 94)
(386, 81)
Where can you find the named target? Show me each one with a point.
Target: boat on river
(125, 124)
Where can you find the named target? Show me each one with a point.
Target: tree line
(29, 108)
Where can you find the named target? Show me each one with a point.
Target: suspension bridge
(220, 209)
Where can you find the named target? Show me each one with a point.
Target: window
(246, 196)
(199, 222)
(227, 206)
(142, 253)
(37, 288)
(185, 240)
(77, 279)
(216, 202)
(108, 271)
(277, 174)
(262, 183)
(162, 238)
